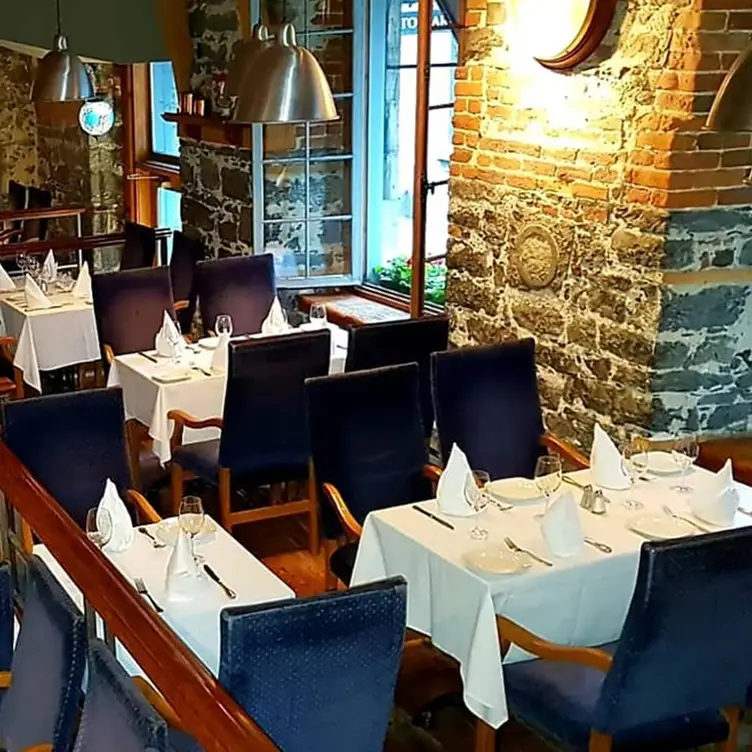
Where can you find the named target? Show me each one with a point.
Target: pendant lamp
(286, 85)
(61, 75)
(242, 60)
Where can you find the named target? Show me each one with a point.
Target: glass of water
(636, 463)
(685, 451)
(548, 477)
(191, 518)
(99, 527)
(223, 325)
(318, 315)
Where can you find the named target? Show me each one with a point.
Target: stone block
(209, 173)
(236, 184)
(670, 354)
(627, 343)
(539, 313)
(696, 309)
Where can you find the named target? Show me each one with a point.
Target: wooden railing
(204, 707)
(54, 212)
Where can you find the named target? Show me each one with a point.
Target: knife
(214, 576)
(148, 357)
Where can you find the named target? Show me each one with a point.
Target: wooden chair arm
(566, 450)
(6, 235)
(159, 703)
(145, 510)
(5, 678)
(513, 634)
(183, 420)
(40, 748)
(432, 473)
(7, 350)
(181, 305)
(353, 527)
(109, 355)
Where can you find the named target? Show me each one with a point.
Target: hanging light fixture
(61, 75)
(286, 85)
(242, 60)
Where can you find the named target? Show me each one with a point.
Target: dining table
(579, 600)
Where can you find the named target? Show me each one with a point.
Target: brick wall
(590, 210)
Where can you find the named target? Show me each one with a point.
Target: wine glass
(191, 518)
(21, 261)
(223, 324)
(548, 477)
(478, 499)
(685, 451)
(99, 527)
(318, 315)
(636, 463)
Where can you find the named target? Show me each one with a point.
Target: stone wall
(574, 196)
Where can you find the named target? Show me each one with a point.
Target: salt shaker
(588, 497)
(599, 503)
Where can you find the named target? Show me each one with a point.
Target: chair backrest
(367, 439)
(18, 195)
(36, 229)
(318, 673)
(71, 443)
(6, 617)
(241, 286)
(129, 307)
(116, 716)
(186, 254)
(41, 705)
(486, 401)
(140, 247)
(397, 342)
(682, 649)
(264, 425)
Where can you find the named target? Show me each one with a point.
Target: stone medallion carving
(536, 256)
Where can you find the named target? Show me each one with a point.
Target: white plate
(167, 531)
(514, 490)
(209, 343)
(495, 560)
(660, 463)
(661, 527)
(173, 377)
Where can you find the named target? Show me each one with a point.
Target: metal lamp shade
(61, 76)
(242, 60)
(286, 85)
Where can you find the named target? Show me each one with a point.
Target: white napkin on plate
(275, 321)
(6, 283)
(35, 298)
(221, 356)
(82, 288)
(717, 500)
(454, 490)
(606, 463)
(50, 267)
(181, 581)
(122, 526)
(561, 527)
(169, 342)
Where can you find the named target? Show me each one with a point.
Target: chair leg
(225, 490)
(330, 581)
(734, 718)
(176, 487)
(600, 742)
(314, 541)
(485, 737)
(133, 434)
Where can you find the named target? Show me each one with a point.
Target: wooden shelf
(210, 129)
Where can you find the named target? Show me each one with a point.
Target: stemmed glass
(685, 451)
(636, 463)
(548, 478)
(476, 495)
(191, 518)
(99, 527)
(318, 315)
(32, 267)
(21, 261)
(223, 324)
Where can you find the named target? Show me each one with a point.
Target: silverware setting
(602, 547)
(155, 542)
(576, 484)
(671, 513)
(744, 511)
(141, 589)
(231, 594)
(434, 517)
(501, 505)
(148, 357)
(512, 546)
(205, 371)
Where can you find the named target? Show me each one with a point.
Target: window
(168, 213)
(163, 98)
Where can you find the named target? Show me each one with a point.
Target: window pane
(437, 228)
(164, 98)
(335, 53)
(439, 144)
(443, 42)
(330, 189)
(286, 240)
(330, 244)
(168, 213)
(284, 191)
(311, 15)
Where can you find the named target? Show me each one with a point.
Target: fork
(671, 513)
(512, 546)
(141, 589)
(155, 542)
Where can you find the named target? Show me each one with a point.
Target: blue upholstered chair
(369, 450)
(396, 342)
(43, 690)
(140, 247)
(486, 401)
(265, 436)
(72, 443)
(241, 286)
(680, 660)
(318, 673)
(129, 308)
(186, 254)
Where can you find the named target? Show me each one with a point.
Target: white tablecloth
(52, 338)
(202, 396)
(579, 601)
(196, 622)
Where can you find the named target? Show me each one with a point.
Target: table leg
(485, 737)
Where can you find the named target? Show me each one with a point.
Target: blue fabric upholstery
(41, 705)
(140, 247)
(368, 440)
(116, 716)
(129, 307)
(201, 458)
(177, 741)
(676, 665)
(398, 342)
(6, 617)
(186, 254)
(487, 403)
(241, 286)
(318, 673)
(71, 443)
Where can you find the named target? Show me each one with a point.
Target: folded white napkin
(50, 267)
(35, 298)
(82, 288)
(275, 321)
(169, 342)
(606, 463)
(454, 492)
(6, 283)
(221, 356)
(181, 581)
(122, 526)
(561, 527)
(717, 500)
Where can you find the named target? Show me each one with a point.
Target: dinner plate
(514, 490)
(167, 531)
(209, 343)
(494, 560)
(173, 377)
(660, 463)
(661, 527)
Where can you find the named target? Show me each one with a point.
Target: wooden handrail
(205, 708)
(54, 212)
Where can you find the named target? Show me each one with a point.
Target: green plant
(397, 275)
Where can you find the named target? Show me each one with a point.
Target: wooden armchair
(568, 452)
(12, 387)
